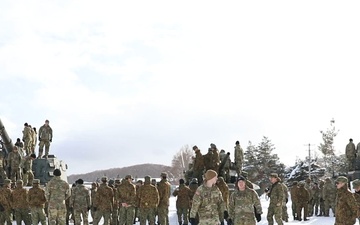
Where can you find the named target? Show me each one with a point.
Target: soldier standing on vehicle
(37, 200)
(80, 203)
(45, 138)
(164, 195)
(103, 202)
(242, 203)
(350, 153)
(5, 197)
(126, 194)
(26, 166)
(215, 157)
(34, 140)
(198, 167)
(148, 200)
(346, 208)
(208, 202)
(276, 196)
(27, 138)
(239, 158)
(183, 194)
(226, 162)
(20, 205)
(57, 191)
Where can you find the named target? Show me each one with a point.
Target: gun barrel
(5, 138)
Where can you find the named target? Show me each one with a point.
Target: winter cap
(241, 178)
(80, 181)
(181, 181)
(147, 178)
(163, 174)
(117, 181)
(275, 175)
(129, 177)
(104, 179)
(57, 172)
(342, 179)
(210, 174)
(301, 184)
(356, 183)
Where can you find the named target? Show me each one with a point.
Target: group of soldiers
(352, 152)
(18, 162)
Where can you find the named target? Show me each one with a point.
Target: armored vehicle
(42, 168)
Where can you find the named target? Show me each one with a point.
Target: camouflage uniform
(37, 200)
(215, 157)
(139, 183)
(34, 140)
(225, 171)
(56, 192)
(2, 166)
(276, 196)
(329, 195)
(184, 196)
(148, 200)
(19, 197)
(45, 137)
(14, 160)
(5, 201)
(164, 195)
(308, 187)
(302, 198)
(26, 165)
(208, 160)
(293, 193)
(239, 158)
(346, 208)
(199, 166)
(285, 216)
(316, 199)
(103, 202)
(224, 188)
(27, 138)
(350, 153)
(356, 186)
(80, 202)
(126, 196)
(193, 186)
(241, 206)
(92, 198)
(321, 198)
(209, 204)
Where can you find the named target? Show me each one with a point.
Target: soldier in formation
(346, 208)
(57, 191)
(293, 192)
(148, 200)
(302, 198)
(239, 158)
(208, 202)
(80, 203)
(329, 195)
(37, 200)
(5, 201)
(103, 202)
(242, 203)
(285, 216)
(20, 205)
(321, 198)
(350, 153)
(184, 196)
(276, 196)
(45, 138)
(164, 194)
(126, 196)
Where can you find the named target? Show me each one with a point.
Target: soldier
(189, 173)
(293, 193)
(19, 197)
(126, 196)
(316, 198)
(224, 189)
(34, 140)
(14, 160)
(215, 157)
(57, 191)
(302, 198)
(226, 162)
(37, 200)
(27, 138)
(208, 202)
(276, 196)
(138, 184)
(103, 202)
(321, 198)
(242, 203)
(26, 165)
(164, 195)
(239, 157)
(329, 195)
(2, 167)
(80, 203)
(308, 187)
(350, 153)
(193, 187)
(92, 196)
(346, 208)
(148, 200)
(198, 167)
(5, 201)
(184, 195)
(285, 216)
(248, 183)
(45, 138)
(356, 187)
(208, 160)
(19, 145)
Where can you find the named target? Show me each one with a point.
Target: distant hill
(137, 171)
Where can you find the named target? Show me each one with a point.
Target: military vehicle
(42, 168)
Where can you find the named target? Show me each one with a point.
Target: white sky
(125, 83)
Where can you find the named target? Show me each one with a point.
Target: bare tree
(180, 161)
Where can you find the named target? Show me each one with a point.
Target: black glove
(88, 208)
(50, 140)
(286, 200)
(94, 208)
(23, 140)
(226, 215)
(39, 139)
(192, 221)
(229, 222)
(258, 217)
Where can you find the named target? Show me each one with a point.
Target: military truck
(42, 168)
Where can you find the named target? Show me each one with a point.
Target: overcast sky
(130, 82)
